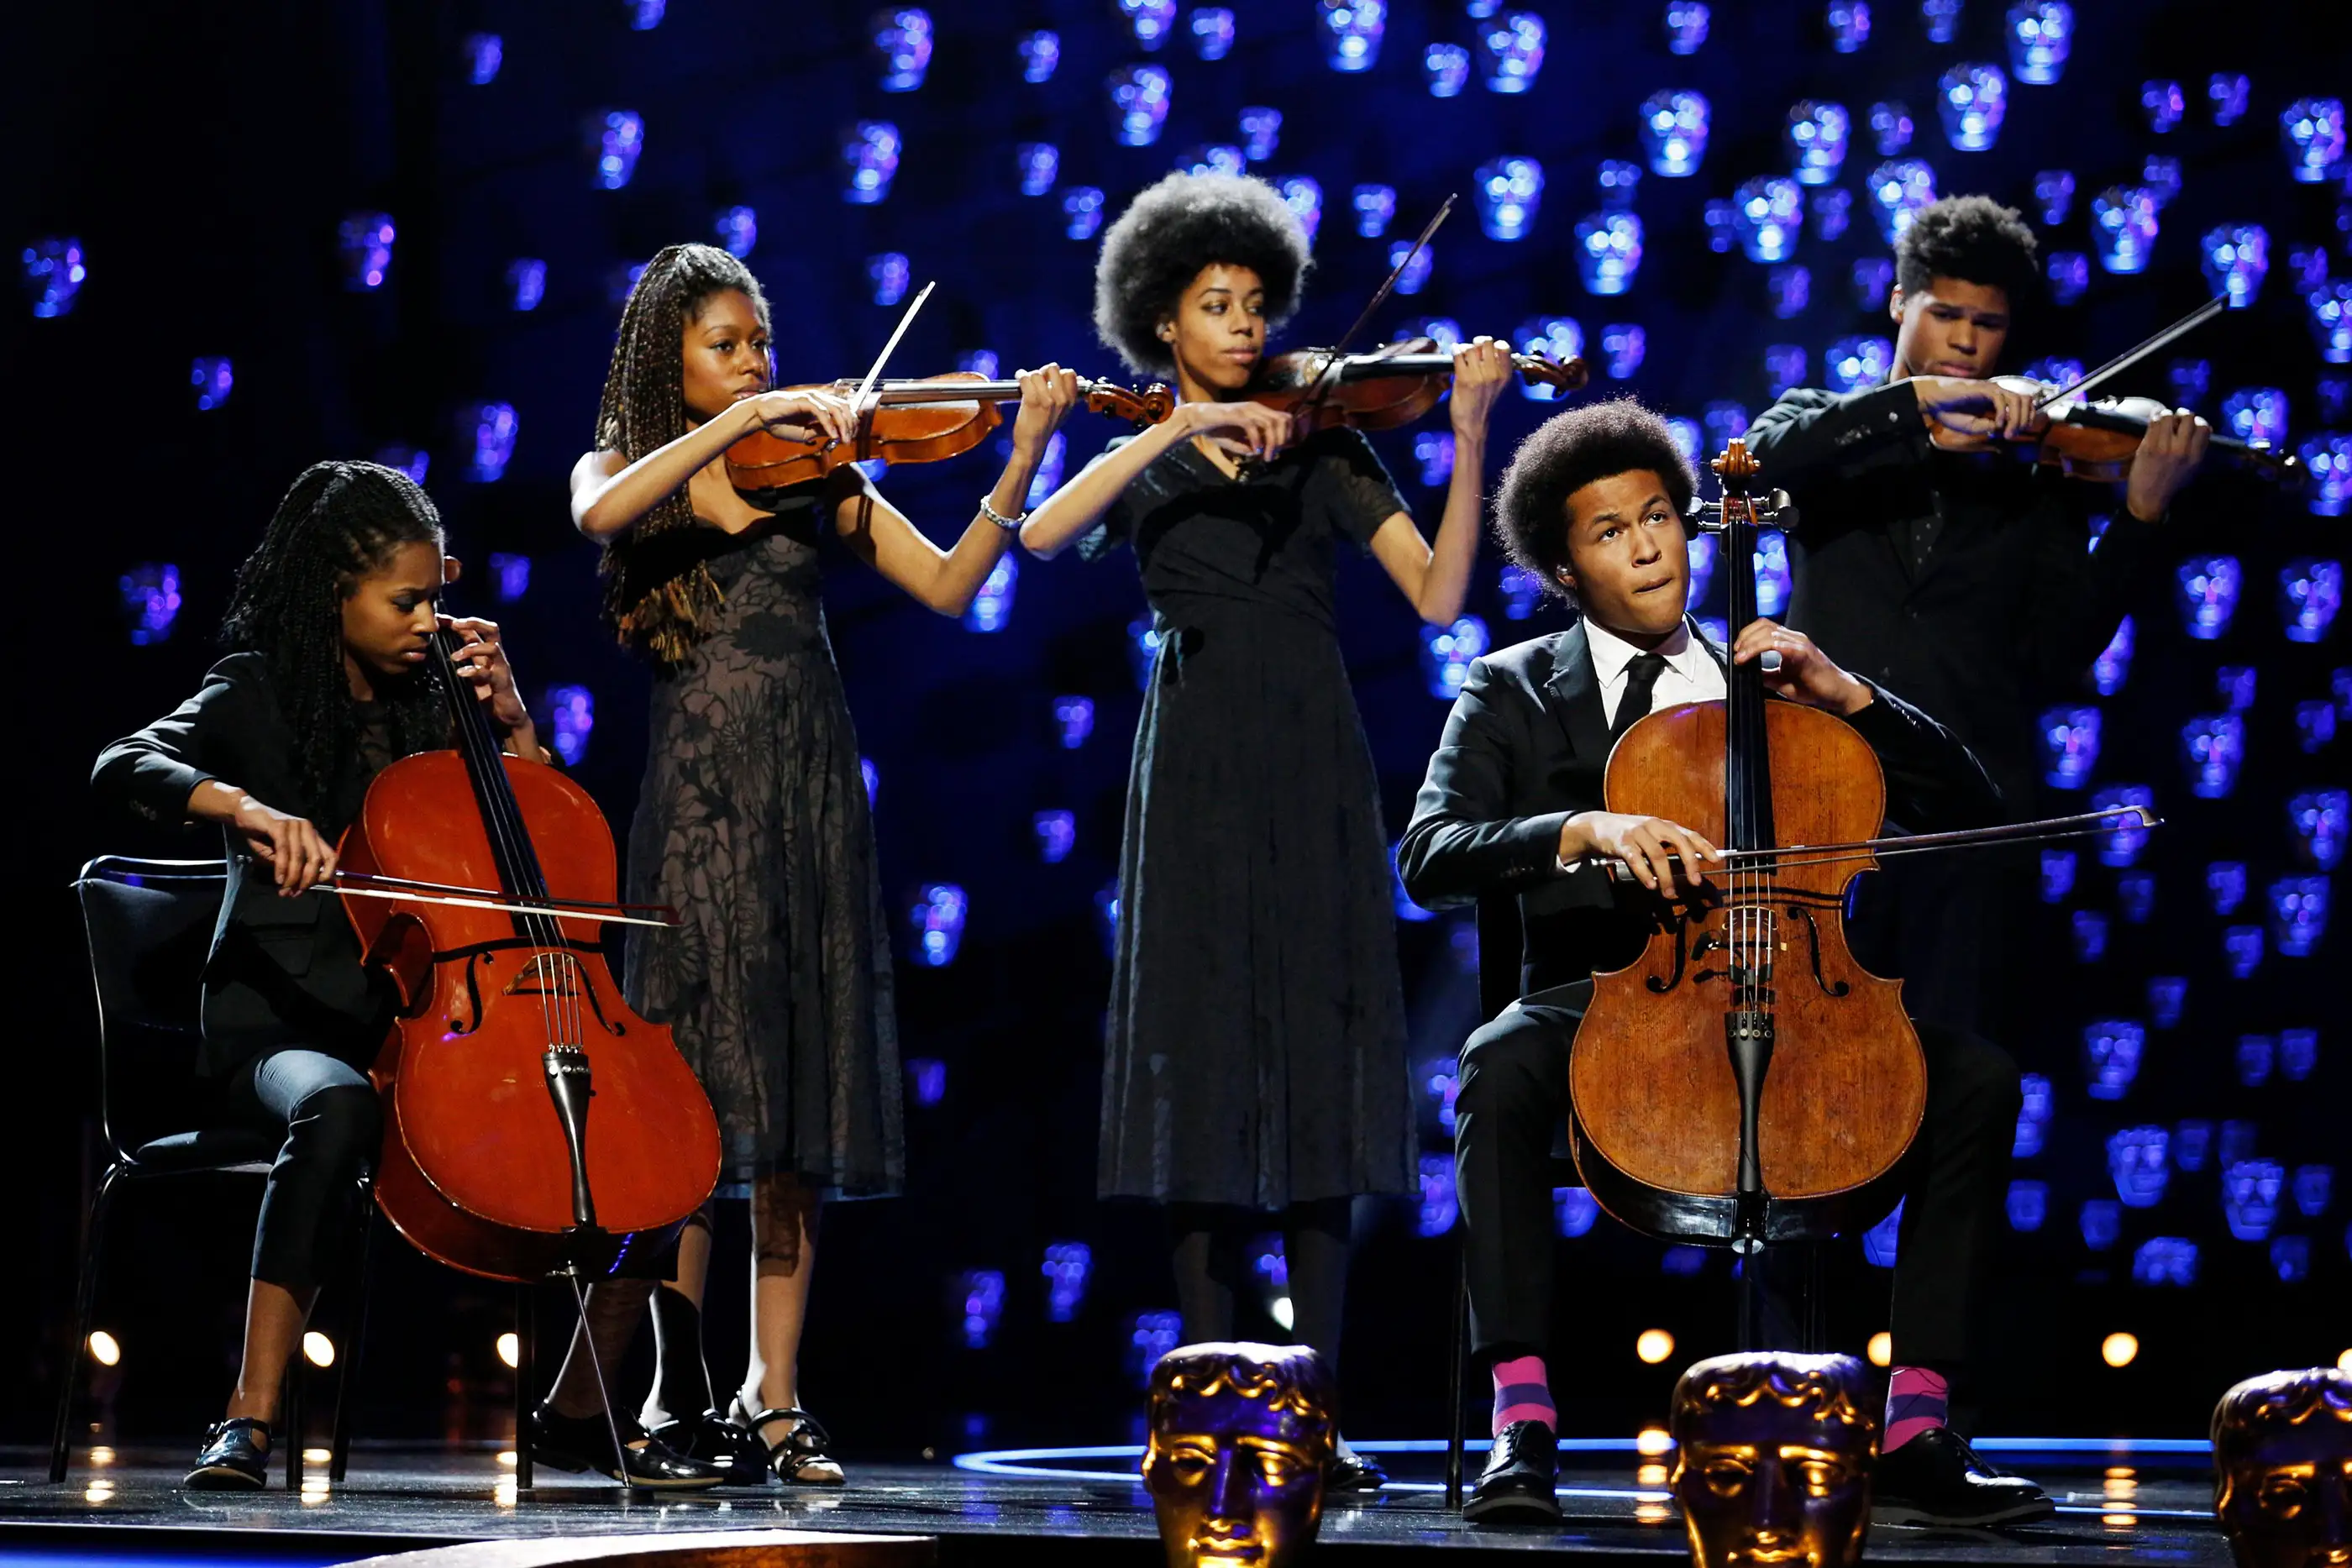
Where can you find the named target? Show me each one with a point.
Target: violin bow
(2139, 351)
(2046, 830)
(370, 885)
(1380, 296)
(865, 387)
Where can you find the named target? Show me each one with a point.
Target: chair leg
(290, 1407)
(526, 1375)
(1454, 1444)
(348, 1372)
(86, 1298)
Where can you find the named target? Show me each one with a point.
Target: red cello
(533, 1124)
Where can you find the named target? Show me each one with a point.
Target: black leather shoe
(1352, 1472)
(1515, 1487)
(235, 1456)
(584, 1443)
(1936, 1478)
(715, 1440)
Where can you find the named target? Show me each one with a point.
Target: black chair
(150, 926)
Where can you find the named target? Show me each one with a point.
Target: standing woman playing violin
(322, 689)
(1255, 1052)
(754, 818)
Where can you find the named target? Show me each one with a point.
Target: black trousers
(1513, 1092)
(327, 1113)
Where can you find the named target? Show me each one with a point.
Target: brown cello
(533, 1124)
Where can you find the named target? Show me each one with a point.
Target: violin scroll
(1561, 375)
(1148, 405)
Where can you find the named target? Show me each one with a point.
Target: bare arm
(1436, 580)
(611, 494)
(1078, 506)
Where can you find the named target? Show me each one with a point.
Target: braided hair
(339, 522)
(655, 600)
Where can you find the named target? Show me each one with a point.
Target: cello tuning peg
(1783, 511)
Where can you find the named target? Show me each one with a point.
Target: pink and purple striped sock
(1521, 1394)
(1917, 1399)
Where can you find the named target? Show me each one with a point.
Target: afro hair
(1169, 235)
(1565, 453)
(1972, 238)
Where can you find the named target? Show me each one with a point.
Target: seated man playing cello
(1594, 506)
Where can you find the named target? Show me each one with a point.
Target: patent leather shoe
(586, 1443)
(1516, 1486)
(715, 1440)
(1936, 1478)
(234, 1457)
(1352, 1471)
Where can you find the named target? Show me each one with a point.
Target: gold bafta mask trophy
(2282, 1469)
(1239, 1437)
(1773, 1455)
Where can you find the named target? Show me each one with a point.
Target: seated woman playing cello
(327, 631)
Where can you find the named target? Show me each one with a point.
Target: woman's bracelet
(1002, 521)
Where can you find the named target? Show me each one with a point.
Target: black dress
(753, 823)
(1256, 1044)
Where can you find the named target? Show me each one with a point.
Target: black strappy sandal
(801, 1457)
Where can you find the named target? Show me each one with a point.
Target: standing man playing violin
(1512, 809)
(1945, 567)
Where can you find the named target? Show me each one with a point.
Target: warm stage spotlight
(2119, 1349)
(104, 1348)
(1882, 1349)
(318, 1349)
(509, 1350)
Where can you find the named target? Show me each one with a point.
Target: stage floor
(2117, 1505)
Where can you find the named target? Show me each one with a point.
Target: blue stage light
(991, 607)
(1352, 33)
(1767, 215)
(526, 283)
(2070, 746)
(1870, 279)
(1608, 252)
(2298, 915)
(2165, 1261)
(2256, 415)
(1510, 51)
(1057, 834)
(1682, 1263)
(1082, 211)
(2057, 875)
(1074, 721)
(2053, 193)
(1401, 901)
(54, 273)
(2249, 1198)
(1557, 338)
(1438, 1202)
(1618, 182)
(2192, 1141)
(1687, 439)
(2328, 458)
(483, 53)
(364, 241)
(2254, 1058)
(1416, 265)
(644, 15)
(1107, 916)
(2028, 1204)
(1847, 22)
(1789, 289)
(737, 230)
(492, 427)
(2090, 929)
(1675, 128)
(983, 1294)
(619, 280)
(1623, 345)
(1724, 422)
(2225, 886)
(2034, 1103)
(1832, 210)
(937, 918)
(1971, 99)
(2290, 1259)
(2213, 746)
(2312, 130)
(870, 162)
(1721, 219)
(928, 1078)
(2069, 272)
(1150, 20)
(1444, 331)
(212, 377)
(1890, 126)
(1882, 1243)
(1784, 364)
(1039, 53)
(1261, 132)
(1143, 644)
(1445, 68)
(1303, 196)
(151, 601)
(408, 460)
(2209, 594)
(1699, 551)
(1432, 453)
(2121, 845)
(572, 716)
(2237, 1142)
(1066, 1267)
(2225, 93)
(2314, 1186)
(1446, 653)
(2161, 174)
(2330, 307)
(889, 276)
(2135, 1163)
(2102, 1221)
(1048, 477)
(1940, 19)
(1508, 190)
(2319, 819)
(2162, 102)
(2110, 1057)
(1443, 1084)
(2166, 994)
(2310, 593)
(1898, 188)
(509, 576)
(1772, 556)
(2242, 950)
(2040, 35)
(871, 777)
(2315, 725)
(1375, 206)
(2236, 685)
(1573, 1211)
(2298, 1055)
(1212, 31)
(2190, 380)
(901, 40)
(1521, 592)
(1153, 1335)
(1219, 158)
(615, 139)
(1037, 164)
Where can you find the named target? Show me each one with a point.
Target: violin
(533, 1124)
(1385, 389)
(918, 422)
(2096, 439)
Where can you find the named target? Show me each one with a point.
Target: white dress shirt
(1691, 675)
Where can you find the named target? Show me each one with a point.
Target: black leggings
(1211, 1240)
(328, 1113)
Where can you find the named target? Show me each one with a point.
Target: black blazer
(282, 971)
(1525, 749)
(2000, 618)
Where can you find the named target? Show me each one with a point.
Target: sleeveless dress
(753, 823)
(1256, 1044)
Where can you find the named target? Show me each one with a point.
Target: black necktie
(1641, 680)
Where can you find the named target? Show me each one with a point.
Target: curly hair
(1169, 235)
(1972, 238)
(339, 522)
(657, 600)
(1566, 453)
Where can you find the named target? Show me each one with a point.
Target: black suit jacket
(2002, 617)
(1525, 749)
(282, 971)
